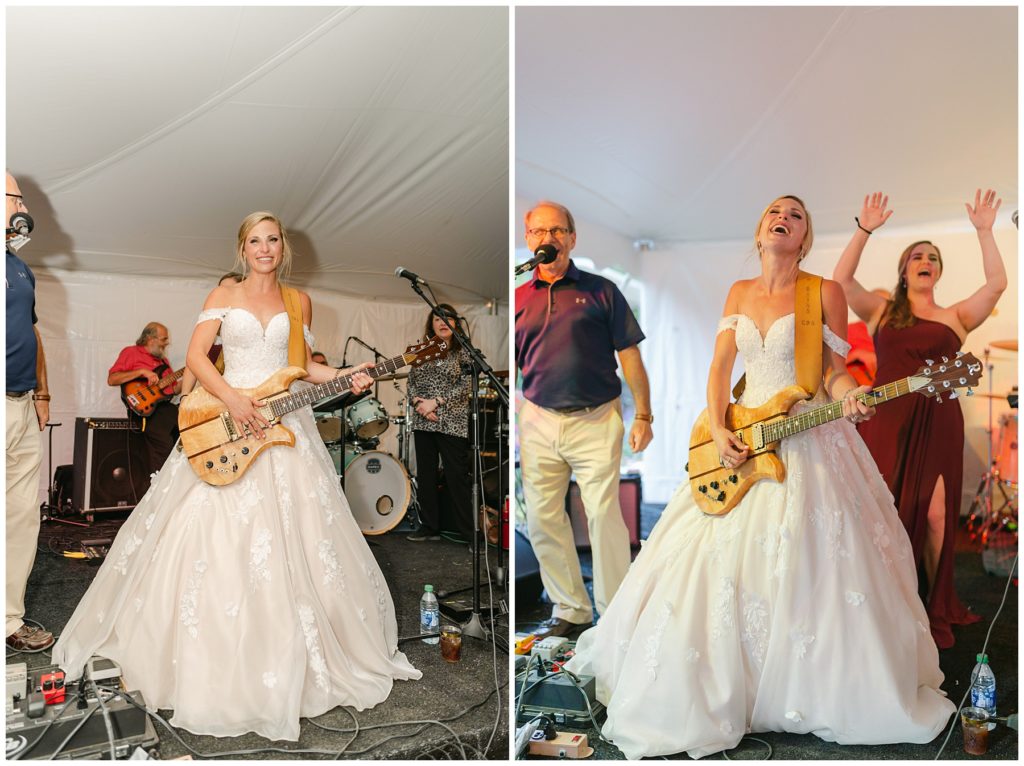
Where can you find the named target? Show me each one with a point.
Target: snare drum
(329, 426)
(367, 418)
(378, 491)
(1006, 462)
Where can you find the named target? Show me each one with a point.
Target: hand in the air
(873, 214)
(983, 214)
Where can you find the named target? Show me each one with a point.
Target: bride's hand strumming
(732, 451)
(244, 410)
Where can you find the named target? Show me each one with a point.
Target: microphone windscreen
(547, 253)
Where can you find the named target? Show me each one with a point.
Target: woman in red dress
(918, 444)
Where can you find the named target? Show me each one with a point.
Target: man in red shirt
(145, 361)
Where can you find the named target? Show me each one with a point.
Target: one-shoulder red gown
(915, 440)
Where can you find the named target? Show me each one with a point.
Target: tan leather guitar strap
(808, 331)
(296, 338)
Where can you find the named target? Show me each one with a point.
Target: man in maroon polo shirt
(570, 327)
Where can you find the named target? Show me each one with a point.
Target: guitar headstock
(420, 353)
(947, 375)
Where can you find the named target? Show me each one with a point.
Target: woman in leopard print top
(440, 394)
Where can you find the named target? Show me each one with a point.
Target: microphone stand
(473, 627)
(377, 355)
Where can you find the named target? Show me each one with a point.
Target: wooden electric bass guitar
(220, 454)
(142, 398)
(717, 490)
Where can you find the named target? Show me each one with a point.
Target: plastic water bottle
(983, 686)
(430, 615)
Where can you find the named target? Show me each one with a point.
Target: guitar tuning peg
(945, 359)
(953, 395)
(929, 362)
(959, 354)
(938, 398)
(970, 392)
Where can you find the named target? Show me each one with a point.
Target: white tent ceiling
(142, 136)
(680, 124)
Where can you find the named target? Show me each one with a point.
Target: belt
(18, 394)
(571, 410)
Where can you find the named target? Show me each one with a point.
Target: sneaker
(29, 638)
(422, 535)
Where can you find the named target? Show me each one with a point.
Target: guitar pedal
(52, 687)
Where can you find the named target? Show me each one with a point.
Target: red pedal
(52, 687)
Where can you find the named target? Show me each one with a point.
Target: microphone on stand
(543, 254)
(377, 354)
(21, 223)
(406, 274)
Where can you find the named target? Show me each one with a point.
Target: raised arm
(730, 448)
(974, 310)
(865, 304)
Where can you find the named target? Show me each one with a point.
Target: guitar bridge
(229, 425)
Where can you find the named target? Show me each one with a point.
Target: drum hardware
(984, 517)
(53, 509)
(378, 490)
(367, 419)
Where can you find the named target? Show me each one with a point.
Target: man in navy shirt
(28, 409)
(570, 325)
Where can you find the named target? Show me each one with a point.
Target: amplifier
(113, 424)
(109, 465)
(630, 498)
(38, 737)
(557, 696)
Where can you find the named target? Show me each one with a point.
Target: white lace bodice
(252, 352)
(770, 362)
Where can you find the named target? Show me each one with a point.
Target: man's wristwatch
(649, 417)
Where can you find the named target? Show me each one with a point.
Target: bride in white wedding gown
(248, 606)
(798, 611)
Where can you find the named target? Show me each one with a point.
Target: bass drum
(378, 490)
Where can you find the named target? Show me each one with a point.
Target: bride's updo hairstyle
(250, 222)
(805, 246)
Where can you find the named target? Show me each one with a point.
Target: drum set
(992, 516)
(379, 487)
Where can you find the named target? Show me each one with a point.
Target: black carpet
(978, 590)
(462, 696)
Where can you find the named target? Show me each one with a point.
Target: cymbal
(1008, 345)
(392, 376)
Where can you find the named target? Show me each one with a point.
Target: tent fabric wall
(86, 318)
(685, 290)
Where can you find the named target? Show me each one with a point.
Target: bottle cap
(430, 589)
(982, 658)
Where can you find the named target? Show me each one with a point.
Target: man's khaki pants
(23, 459)
(552, 446)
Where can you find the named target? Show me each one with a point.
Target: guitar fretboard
(334, 387)
(833, 411)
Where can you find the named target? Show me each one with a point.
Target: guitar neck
(167, 380)
(334, 387)
(794, 424)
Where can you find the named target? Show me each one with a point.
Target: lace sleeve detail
(727, 323)
(834, 342)
(308, 335)
(209, 314)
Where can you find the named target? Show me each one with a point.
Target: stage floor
(978, 590)
(445, 691)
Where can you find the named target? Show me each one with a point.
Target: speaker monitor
(109, 466)
(629, 499)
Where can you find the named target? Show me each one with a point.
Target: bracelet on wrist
(866, 231)
(40, 397)
(647, 417)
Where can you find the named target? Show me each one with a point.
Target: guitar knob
(686, 467)
(234, 468)
(245, 450)
(721, 497)
(733, 478)
(703, 488)
(209, 464)
(223, 458)
(714, 485)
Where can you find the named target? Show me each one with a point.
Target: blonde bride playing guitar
(264, 255)
(749, 597)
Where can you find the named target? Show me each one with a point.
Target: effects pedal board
(42, 712)
(558, 697)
